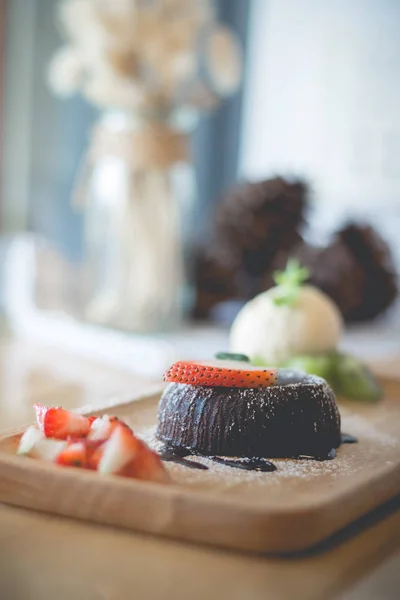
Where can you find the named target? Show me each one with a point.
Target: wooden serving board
(291, 509)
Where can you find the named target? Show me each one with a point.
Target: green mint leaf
(289, 282)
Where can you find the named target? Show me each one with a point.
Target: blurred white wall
(323, 101)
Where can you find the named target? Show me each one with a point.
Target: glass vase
(138, 194)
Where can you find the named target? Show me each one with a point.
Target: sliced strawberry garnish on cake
(74, 455)
(222, 373)
(61, 424)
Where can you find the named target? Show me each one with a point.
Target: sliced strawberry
(94, 450)
(60, 424)
(91, 419)
(29, 439)
(147, 466)
(102, 427)
(221, 373)
(40, 412)
(118, 451)
(74, 455)
(47, 450)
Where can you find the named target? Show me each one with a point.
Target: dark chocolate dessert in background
(216, 282)
(258, 228)
(356, 270)
(253, 224)
(256, 220)
(374, 257)
(336, 272)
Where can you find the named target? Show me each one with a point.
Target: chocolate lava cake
(295, 416)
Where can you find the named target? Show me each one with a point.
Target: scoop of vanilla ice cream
(273, 333)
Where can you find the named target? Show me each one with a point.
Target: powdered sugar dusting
(363, 428)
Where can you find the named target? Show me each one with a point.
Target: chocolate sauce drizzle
(348, 439)
(328, 456)
(248, 464)
(178, 455)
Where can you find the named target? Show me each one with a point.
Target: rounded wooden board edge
(177, 513)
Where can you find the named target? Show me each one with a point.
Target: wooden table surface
(50, 558)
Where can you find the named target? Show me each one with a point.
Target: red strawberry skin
(74, 455)
(142, 463)
(146, 466)
(61, 424)
(209, 375)
(94, 449)
(112, 419)
(118, 450)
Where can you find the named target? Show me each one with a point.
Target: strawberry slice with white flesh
(29, 439)
(47, 450)
(118, 451)
(94, 451)
(61, 424)
(105, 444)
(147, 466)
(40, 412)
(73, 455)
(102, 427)
(221, 373)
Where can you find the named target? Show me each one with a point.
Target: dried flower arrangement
(152, 61)
(145, 54)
